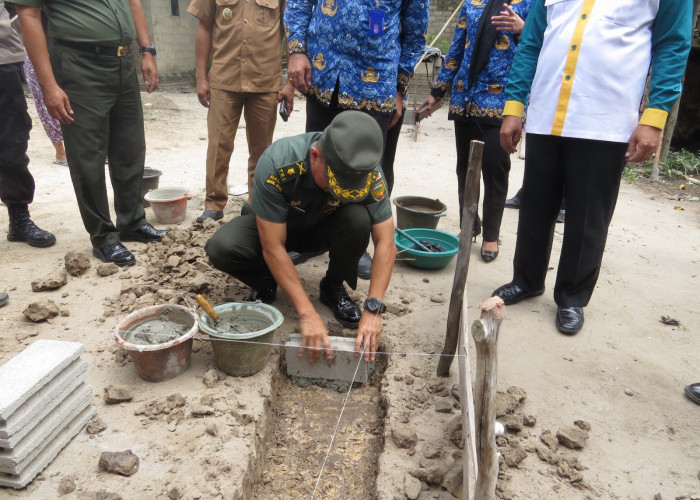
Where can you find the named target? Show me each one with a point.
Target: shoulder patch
(292, 171)
(379, 187)
(274, 181)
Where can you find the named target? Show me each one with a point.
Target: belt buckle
(122, 50)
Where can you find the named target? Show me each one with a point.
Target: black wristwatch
(148, 48)
(374, 305)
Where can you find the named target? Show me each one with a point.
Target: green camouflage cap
(352, 146)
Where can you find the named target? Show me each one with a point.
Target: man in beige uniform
(244, 40)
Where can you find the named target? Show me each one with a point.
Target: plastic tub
(141, 332)
(416, 211)
(150, 182)
(427, 260)
(169, 204)
(241, 321)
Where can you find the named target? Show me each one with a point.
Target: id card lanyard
(376, 20)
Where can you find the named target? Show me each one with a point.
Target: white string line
(337, 425)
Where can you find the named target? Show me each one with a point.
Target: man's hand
(396, 115)
(511, 130)
(299, 70)
(315, 336)
(287, 95)
(643, 143)
(203, 91)
(368, 334)
(428, 105)
(58, 104)
(150, 71)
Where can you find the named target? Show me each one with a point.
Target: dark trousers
(318, 117)
(495, 166)
(235, 248)
(588, 174)
(16, 182)
(106, 101)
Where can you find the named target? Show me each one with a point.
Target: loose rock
(106, 495)
(174, 493)
(41, 310)
(572, 437)
(411, 487)
(513, 455)
(404, 436)
(431, 475)
(453, 480)
(202, 411)
(505, 403)
(547, 438)
(513, 422)
(529, 420)
(107, 269)
(50, 282)
(67, 485)
(117, 394)
(212, 429)
(454, 431)
(95, 426)
(119, 462)
(443, 406)
(582, 424)
(76, 263)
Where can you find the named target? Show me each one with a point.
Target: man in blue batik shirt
(354, 55)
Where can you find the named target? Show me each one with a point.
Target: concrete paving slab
(341, 367)
(43, 402)
(12, 460)
(48, 453)
(32, 369)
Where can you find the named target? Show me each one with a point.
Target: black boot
(23, 229)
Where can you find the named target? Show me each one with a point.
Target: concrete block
(13, 460)
(32, 369)
(341, 367)
(48, 453)
(41, 403)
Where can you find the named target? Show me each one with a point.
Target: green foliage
(442, 44)
(679, 164)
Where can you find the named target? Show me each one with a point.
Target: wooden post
(466, 397)
(471, 200)
(665, 144)
(485, 333)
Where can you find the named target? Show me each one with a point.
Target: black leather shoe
(210, 214)
(364, 266)
(512, 293)
(344, 309)
(692, 392)
(116, 253)
(23, 229)
(476, 230)
(569, 319)
(488, 255)
(513, 202)
(145, 234)
(267, 296)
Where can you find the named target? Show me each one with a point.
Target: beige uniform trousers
(259, 111)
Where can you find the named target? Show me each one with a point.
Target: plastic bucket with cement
(169, 204)
(150, 182)
(241, 336)
(158, 340)
(416, 211)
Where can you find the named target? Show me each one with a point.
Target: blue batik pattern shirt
(370, 69)
(486, 97)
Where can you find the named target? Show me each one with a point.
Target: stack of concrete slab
(44, 402)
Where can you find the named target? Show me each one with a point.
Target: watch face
(373, 305)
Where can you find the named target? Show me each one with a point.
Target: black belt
(100, 50)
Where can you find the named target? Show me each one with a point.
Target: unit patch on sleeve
(378, 186)
(274, 181)
(291, 171)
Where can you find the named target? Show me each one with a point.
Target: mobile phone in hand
(283, 110)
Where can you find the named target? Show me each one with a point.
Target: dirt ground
(622, 376)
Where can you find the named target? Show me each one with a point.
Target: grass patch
(679, 164)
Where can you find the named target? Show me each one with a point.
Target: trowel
(204, 304)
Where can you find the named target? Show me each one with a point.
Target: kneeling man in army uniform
(315, 192)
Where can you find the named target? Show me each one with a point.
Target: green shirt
(285, 191)
(102, 22)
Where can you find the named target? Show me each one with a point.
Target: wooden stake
(485, 334)
(471, 201)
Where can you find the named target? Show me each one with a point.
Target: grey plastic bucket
(416, 211)
(150, 182)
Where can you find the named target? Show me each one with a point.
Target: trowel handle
(204, 303)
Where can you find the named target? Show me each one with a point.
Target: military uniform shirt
(285, 191)
(102, 22)
(246, 52)
(11, 50)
